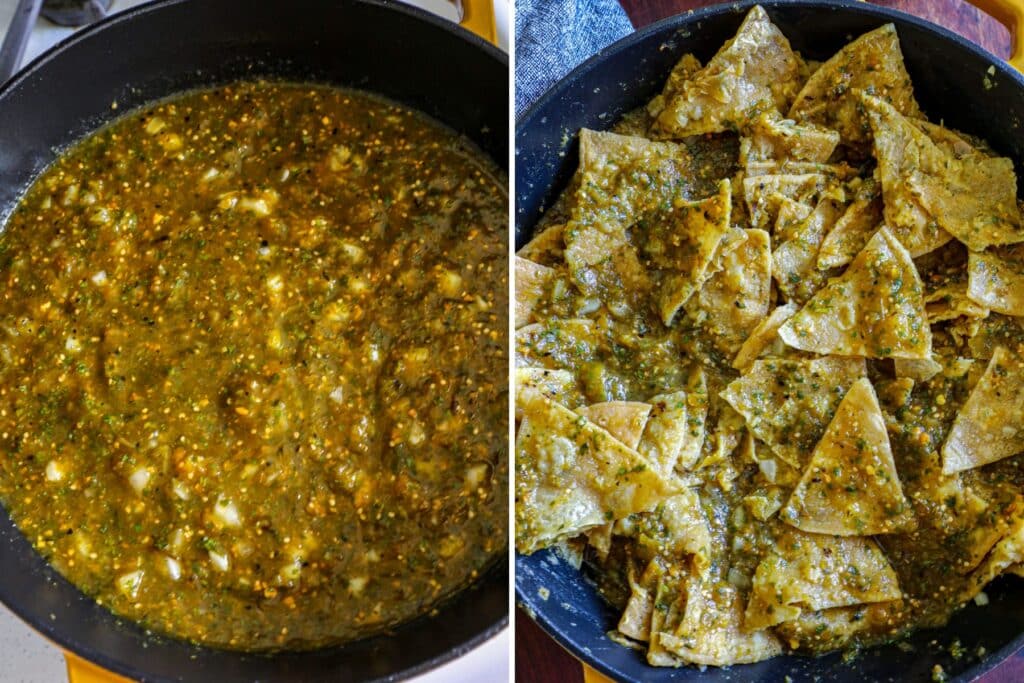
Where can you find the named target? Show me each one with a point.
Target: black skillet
(155, 50)
(955, 81)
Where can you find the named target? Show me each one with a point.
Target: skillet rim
(535, 608)
(65, 638)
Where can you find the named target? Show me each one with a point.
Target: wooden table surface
(538, 658)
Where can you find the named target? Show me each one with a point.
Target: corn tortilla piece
(901, 148)
(996, 279)
(918, 369)
(872, 63)
(710, 632)
(834, 629)
(1005, 555)
(683, 246)
(735, 299)
(532, 282)
(874, 309)
(545, 247)
(636, 617)
(790, 218)
(788, 404)
(685, 69)
(624, 420)
(557, 342)
(851, 487)
(859, 222)
(754, 71)
(763, 336)
(773, 138)
(669, 433)
(669, 598)
(572, 476)
(675, 527)
(990, 425)
(795, 261)
(557, 385)
(806, 572)
(763, 194)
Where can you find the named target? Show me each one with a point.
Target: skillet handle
(81, 671)
(591, 676)
(1010, 13)
(478, 17)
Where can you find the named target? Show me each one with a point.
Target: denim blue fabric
(553, 36)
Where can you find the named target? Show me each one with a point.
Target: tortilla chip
(753, 72)
(989, 426)
(795, 261)
(572, 476)
(996, 279)
(1006, 554)
(918, 369)
(683, 246)
(790, 218)
(677, 526)
(851, 487)
(874, 309)
(901, 148)
(853, 230)
(624, 420)
(788, 404)
(532, 281)
(669, 433)
(809, 572)
(636, 617)
(772, 138)
(764, 194)
(685, 69)
(557, 385)
(871, 63)
(764, 336)
(835, 629)
(735, 299)
(557, 343)
(546, 247)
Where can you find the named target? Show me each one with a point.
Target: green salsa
(253, 362)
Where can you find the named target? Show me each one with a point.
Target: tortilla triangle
(754, 71)
(873, 63)
(624, 420)
(850, 486)
(990, 425)
(874, 309)
(810, 572)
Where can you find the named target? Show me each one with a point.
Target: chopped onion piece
(139, 479)
(220, 560)
(769, 468)
(180, 490)
(129, 583)
(226, 513)
(357, 584)
(173, 568)
(53, 471)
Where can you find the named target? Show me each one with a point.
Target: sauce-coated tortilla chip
(685, 69)
(624, 420)
(710, 631)
(929, 191)
(1007, 554)
(874, 309)
(834, 629)
(990, 425)
(851, 487)
(764, 336)
(795, 261)
(677, 526)
(754, 71)
(996, 279)
(901, 148)
(636, 617)
(572, 476)
(683, 245)
(532, 281)
(773, 138)
(764, 193)
(872, 63)
(556, 385)
(546, 247)
(789, 403)
(670, 434)
(854, 228)
(735, 299)
(918, 369)
(811, 572)
(557, 343)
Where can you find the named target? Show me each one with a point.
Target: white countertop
(28, 658)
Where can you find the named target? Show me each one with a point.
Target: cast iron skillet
(151, 52)
(950, 78)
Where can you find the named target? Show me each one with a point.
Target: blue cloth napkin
(553, 36)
